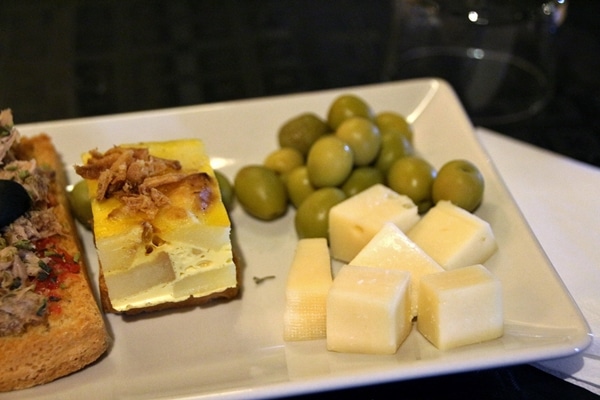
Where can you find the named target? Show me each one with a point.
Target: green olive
(226, 189)
(362, 178)
(391, 121)
(460, 182)
(298, 185)
(394, 145)
(363, 137)
(261, 192)
(80, 202)
(312, 217)
(413, 176)
(284, 159)
(329, 162)
(301, 132)
(346, 106)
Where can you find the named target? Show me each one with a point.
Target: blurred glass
(497, 54)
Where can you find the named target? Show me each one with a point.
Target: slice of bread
(76, 334)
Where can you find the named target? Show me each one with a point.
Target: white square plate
(235, 349)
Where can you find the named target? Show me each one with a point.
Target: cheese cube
(353, 222)
(368, 310)
(453, 236)
(391, 248)
(308, 283)
(460, 307)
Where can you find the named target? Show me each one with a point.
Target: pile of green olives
(321, 162)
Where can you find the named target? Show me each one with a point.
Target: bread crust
(73, 338)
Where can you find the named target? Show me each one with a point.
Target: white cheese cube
(391, 248)
(453, 236)
(353, 222)
(460, 307)
(308, 283)
(368, 310)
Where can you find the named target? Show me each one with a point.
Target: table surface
(555, 195)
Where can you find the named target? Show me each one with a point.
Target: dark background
(66, 59)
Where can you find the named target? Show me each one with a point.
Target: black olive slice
(14, 201)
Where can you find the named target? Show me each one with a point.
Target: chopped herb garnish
(42, 310)
(45, 267)
(5, 130)
(23, 174)
(45, 272)
(52, 253)
(24, 245)
(16, 283)
(42, 276)
(259, 280)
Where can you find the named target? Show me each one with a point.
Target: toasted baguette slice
(77, 335)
